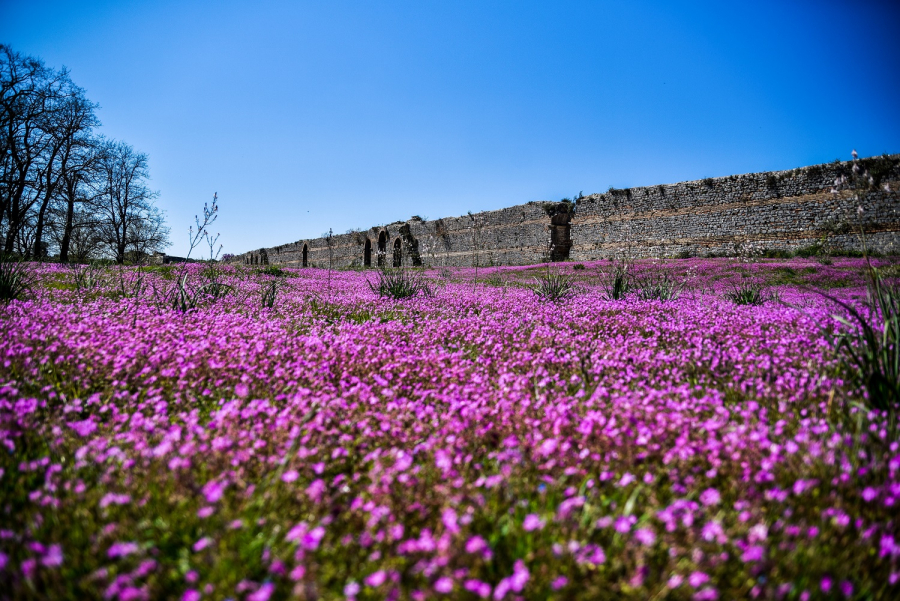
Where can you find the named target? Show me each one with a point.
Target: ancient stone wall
(516, 235)
(726, 215)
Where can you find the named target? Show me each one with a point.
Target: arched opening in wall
(382, 248)
(398, 253)
(305, 256)
(367, 254)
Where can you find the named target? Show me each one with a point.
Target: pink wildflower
(532, 522)
(376, 579)
(84, 428)
(482, 589)
(710, 496)
(351, 589)
(645, 536)
(262, 593)
(548, 447)
(698, 579)
(444, 585)
(122, 549)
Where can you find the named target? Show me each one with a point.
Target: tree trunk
(37, 251)
(67, 229)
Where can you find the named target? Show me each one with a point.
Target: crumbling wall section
(783, 210)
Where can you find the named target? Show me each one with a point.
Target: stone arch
(305, 256)
(398, 252)
(382, 247)
(367, 254)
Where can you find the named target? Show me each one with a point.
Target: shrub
(809, 251)
(871, 344)
(274, 270)
(578, 266)
(15, 279)
(553, 287)
(87, 277)
(748, 293)
(775, 253)
(214, 288)
(183, 298)
(659, 286)
(617, 283)
(270, 295)
(399, 283)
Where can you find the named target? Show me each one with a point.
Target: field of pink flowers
(474, 444)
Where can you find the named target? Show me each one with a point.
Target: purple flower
(54, 557)
(444, 585)
(376, 579)
(213, 490)
(316, 489)
(698, 579)
(122, 549)
(114, 499)
(202, 544)
(476, 544)
(312, 538)
(262, 593)
(548, 447)
(753, 553)
(450, 521)
(482, 589)
(520, 576)
(624, 523)
(501, 589)
(532, 522)
(710, 496)
(297, 532)
(707, 594)
(84, 428)
(645, 536)
(351, 589)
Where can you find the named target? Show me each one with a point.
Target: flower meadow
(472, 443)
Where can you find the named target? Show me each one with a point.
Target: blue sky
(305, 116)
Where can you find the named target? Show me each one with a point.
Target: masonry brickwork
(784, 210)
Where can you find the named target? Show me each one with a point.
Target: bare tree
(27, 91)
(69, 126)
(60, 184)
(126, 215)
(76, 194)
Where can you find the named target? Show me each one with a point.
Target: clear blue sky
(310, 115)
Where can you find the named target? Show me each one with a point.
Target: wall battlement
(783, 210)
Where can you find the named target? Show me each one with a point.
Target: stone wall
(727, 215)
